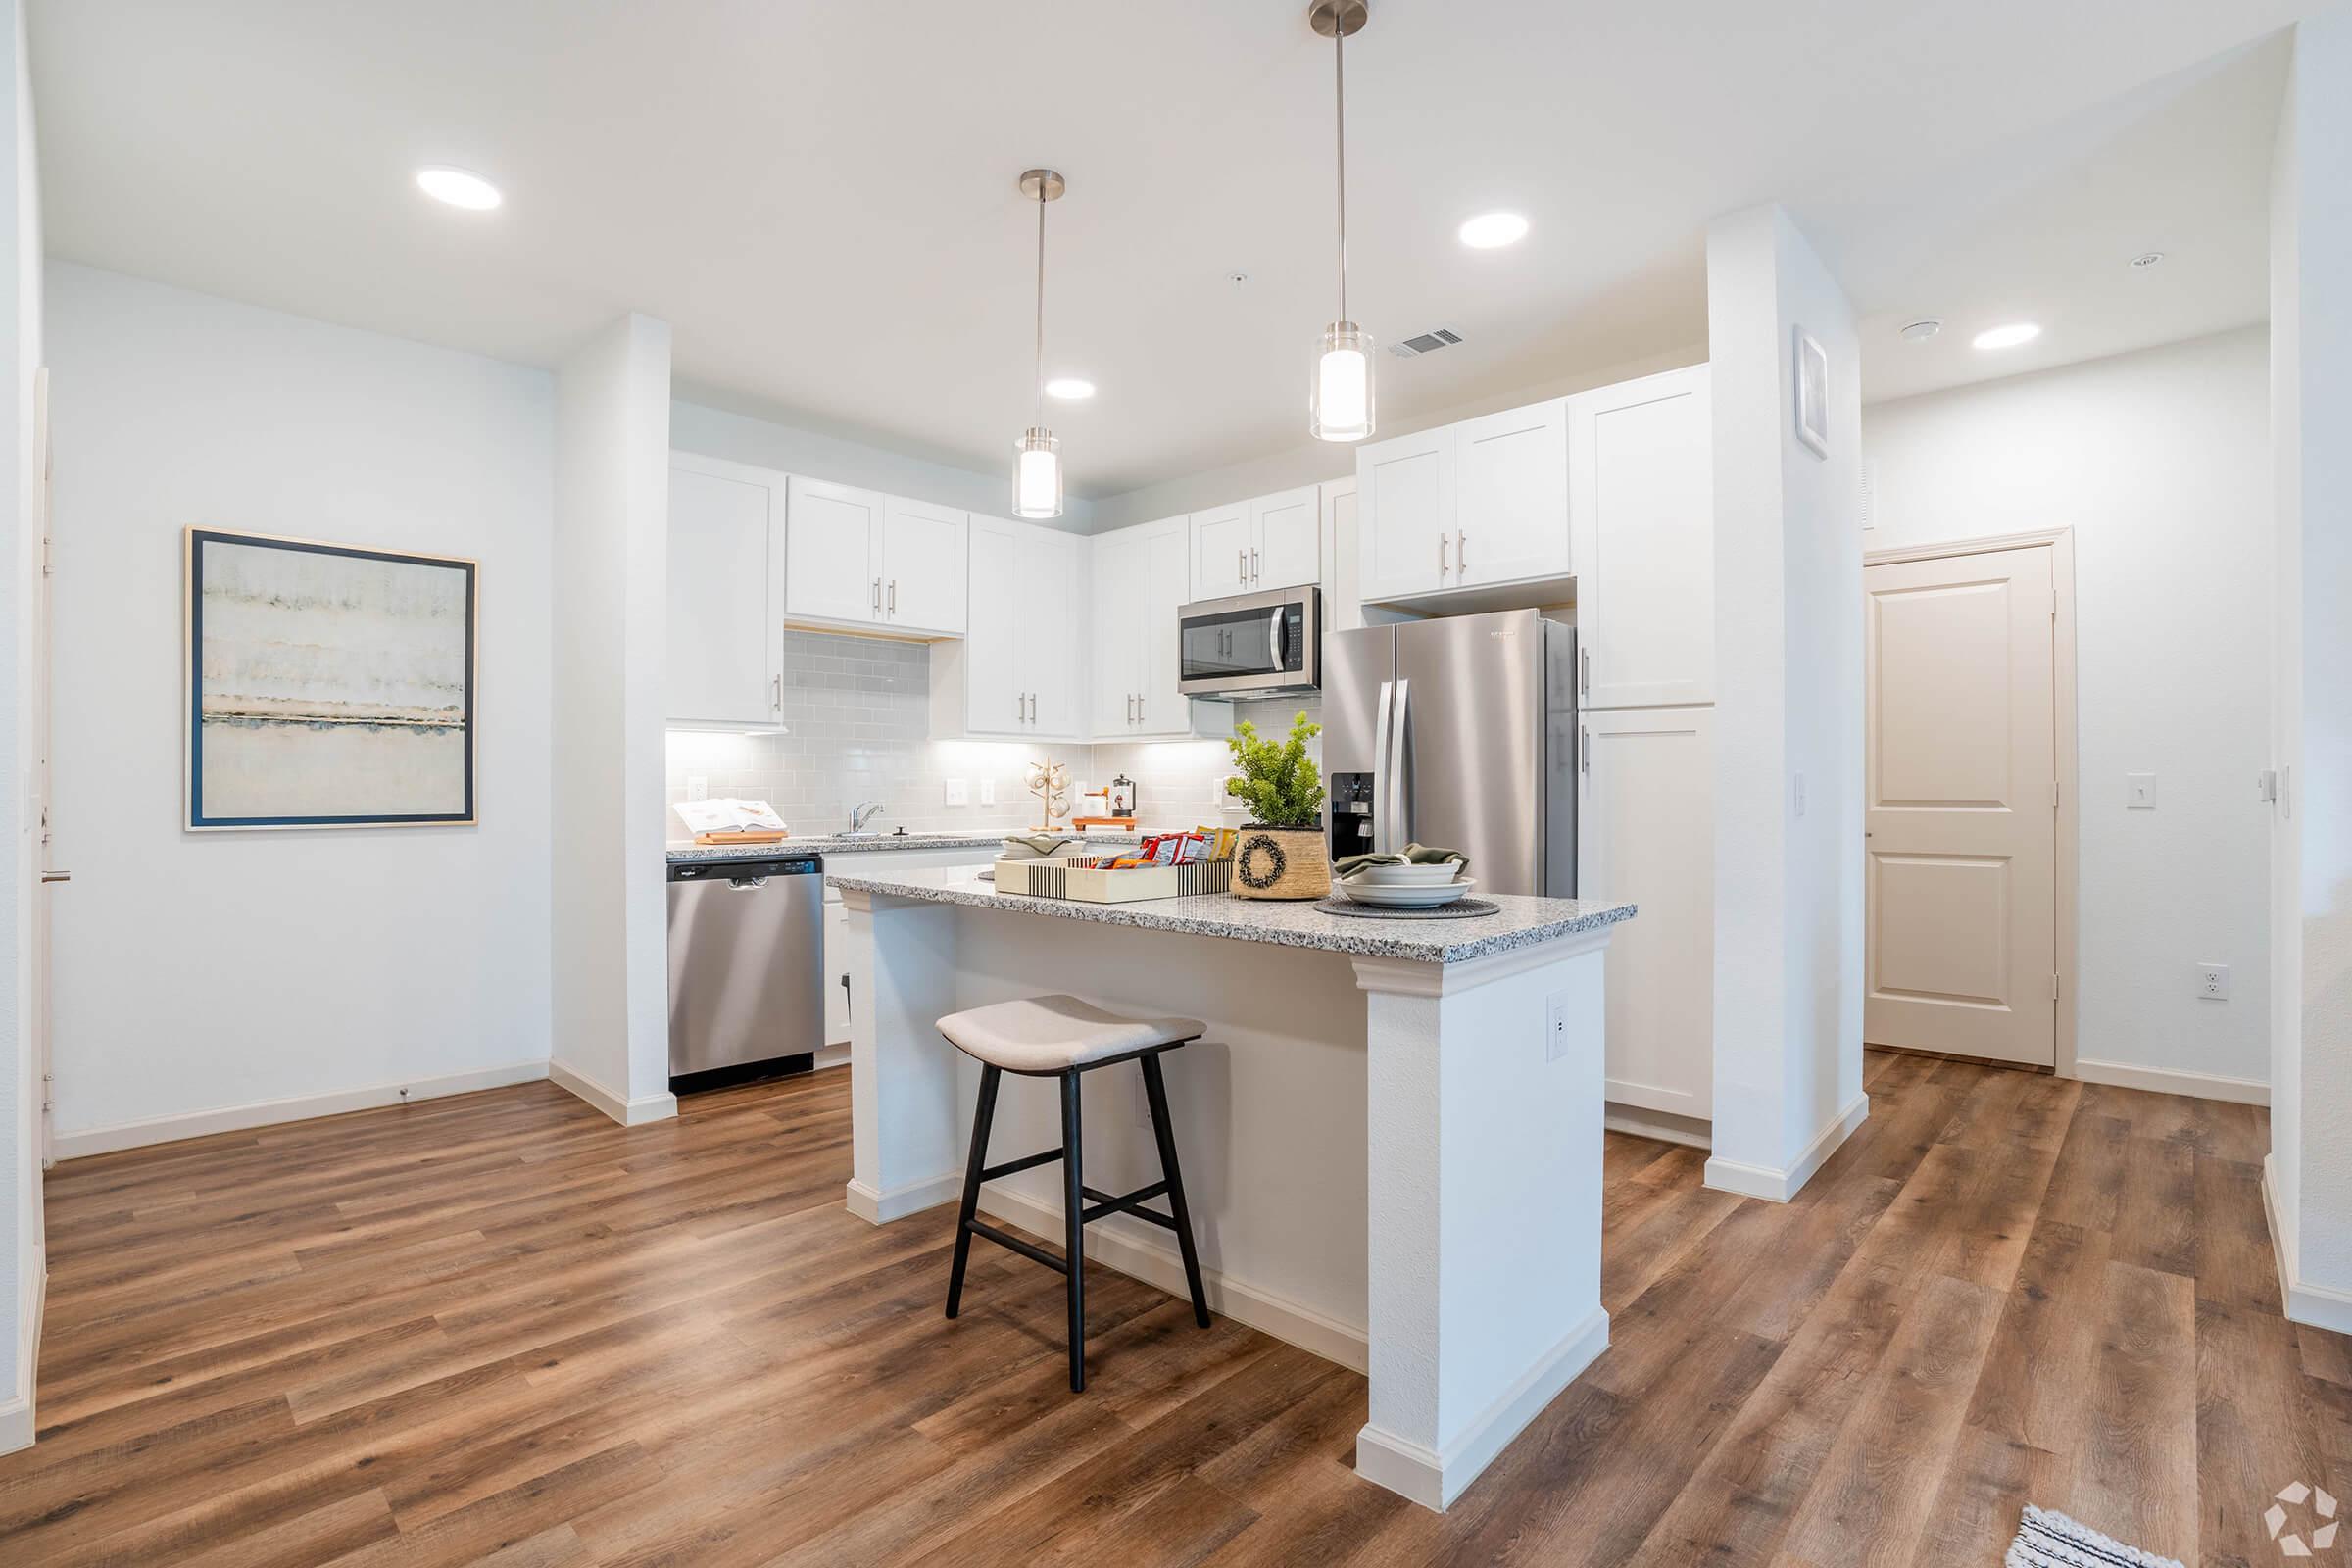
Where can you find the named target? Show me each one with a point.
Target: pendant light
(1037, 463)
(1340, 405)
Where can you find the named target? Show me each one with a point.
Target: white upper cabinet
(1642, 503)
(832, 560)
(994, 695)
(1118, 660)
(1018, 669)
(1054, 617)
(1221, 544)
(1287, 539)
(1511, 514)
(726, 579)
(923, 566)
(1405, 494)
(1140, 578)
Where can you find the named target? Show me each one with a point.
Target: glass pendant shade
(1037, 474)
(1341, 409)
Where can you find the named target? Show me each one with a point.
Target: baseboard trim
(1162, 1266)
(1691, 1132)
(831, 1057)
(297, 1107)
(17, 1423)
(878, 1208)
(2174, 1081)
(1780, 1185)
(1434, 1479)
(2318, 1305)
(622, 1110)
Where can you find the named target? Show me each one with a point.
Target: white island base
(1390, 1134)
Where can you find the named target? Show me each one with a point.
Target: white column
(1483, 1115)
(609, 916)
(1788, 950)
(2308, 1178)
(908, 1115)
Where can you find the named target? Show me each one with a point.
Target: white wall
(2158, 462)
(610, 941)
(815, 455)
(200, 971)
(1788, 655)
(20, 1256)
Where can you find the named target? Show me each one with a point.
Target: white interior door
(725, 642)
(1288, 530)
(922, 566)
(1221, 543)
(833, 556)
(1960, 786)
(38, 806)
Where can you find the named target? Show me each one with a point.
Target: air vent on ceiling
(1426, 343)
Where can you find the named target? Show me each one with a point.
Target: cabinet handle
(1131, 708)
(1461, 550)
(1584, 670)
(1442, 569)
(1583, 751)
(1253, 571)
(1139, 708)
(877, 596)
(1241, 566)
(776, 693)
(894, 596)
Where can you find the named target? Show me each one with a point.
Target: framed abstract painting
(328, 686)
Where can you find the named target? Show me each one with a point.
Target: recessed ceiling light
(2007, 337)
(458, 188)
(1919, 331)
(1071, 388)
(1488, 231)
(2148, 259)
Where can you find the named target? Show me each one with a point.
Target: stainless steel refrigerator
(1459, 732)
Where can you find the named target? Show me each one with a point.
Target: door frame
(2065, 894)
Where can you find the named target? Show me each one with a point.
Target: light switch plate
(958, 792)
(2141, 791)
(2213, 981)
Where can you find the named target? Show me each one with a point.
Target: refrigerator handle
(1401, 817)
(1380, 770)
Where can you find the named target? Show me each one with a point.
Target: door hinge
(48, 556)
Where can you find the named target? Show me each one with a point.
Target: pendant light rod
(1042, 185)
(1336, 20)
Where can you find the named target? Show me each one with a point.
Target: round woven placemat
(1458, 910)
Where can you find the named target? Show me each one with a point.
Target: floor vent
(1426, 343)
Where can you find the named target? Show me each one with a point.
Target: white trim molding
(1434, 1480)
(297, 1107)
(628, 1112)
(2175, 1081)
(2320, 1305)
(1780, 1185)
(878, 1208)
(17, 1424)
(1160, 1265)
(1420, 977)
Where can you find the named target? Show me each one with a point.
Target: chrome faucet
(863, 813)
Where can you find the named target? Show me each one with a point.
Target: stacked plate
(1408, 887)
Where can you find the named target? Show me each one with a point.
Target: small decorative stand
(1049, 782)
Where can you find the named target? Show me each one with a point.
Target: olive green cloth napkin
(1040, 846)
(1347, 865)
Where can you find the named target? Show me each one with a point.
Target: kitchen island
(1390, 1132)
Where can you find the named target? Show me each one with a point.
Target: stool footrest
(1028, 1249)
(1104, 1205)
(1013, 1166)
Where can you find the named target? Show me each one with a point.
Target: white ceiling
(819, 196)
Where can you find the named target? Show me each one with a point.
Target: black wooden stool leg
(1073, 1205)
(981, 1117)
(1156, 1091)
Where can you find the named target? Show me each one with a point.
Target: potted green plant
(1281, 853)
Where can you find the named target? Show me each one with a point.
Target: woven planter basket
(1281, 862)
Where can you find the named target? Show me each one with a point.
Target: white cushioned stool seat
(1054, 1032)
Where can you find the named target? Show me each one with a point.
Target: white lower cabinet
(836, 959)
(1646, 832)
(1019, 669)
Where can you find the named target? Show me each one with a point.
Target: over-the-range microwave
(1252, 645)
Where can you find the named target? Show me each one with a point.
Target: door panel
(1642, 503)
(1960, 784)
(1511, 520)
(923, 566)
(1118, 649)
(1160, 705)
(993, 691)
(1648, 834)
(1475, 729)
(726, 643)
(1287, 530)
(832, 551)
(1053, 630)
(1405, 494)
(1220, 551)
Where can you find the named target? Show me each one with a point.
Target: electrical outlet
(1555, 1026)
(2213, 981)
(697, 787)
(958, 792)
(2141, 791)
(988, 792)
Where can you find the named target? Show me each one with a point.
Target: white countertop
(1520, 923)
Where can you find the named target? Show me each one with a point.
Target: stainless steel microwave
(1252, 645)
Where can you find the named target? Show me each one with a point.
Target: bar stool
(1061, 1037)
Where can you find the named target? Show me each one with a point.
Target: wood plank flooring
(497, 1329)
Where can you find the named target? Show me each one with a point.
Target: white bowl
(1425, 897)
(1404, 876)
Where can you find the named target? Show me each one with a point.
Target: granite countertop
(1522, 921)
(835, 844)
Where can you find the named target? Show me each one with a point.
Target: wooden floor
(498, 1329)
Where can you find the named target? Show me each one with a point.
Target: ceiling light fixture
(458, 187)
(1036, 464)
(1340, 406)
(1919, 331)
(1071, 388)
(2007, 337)
(1488, 231)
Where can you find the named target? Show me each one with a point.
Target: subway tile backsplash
(856, 712)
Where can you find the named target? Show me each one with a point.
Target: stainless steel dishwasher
(747, 995)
